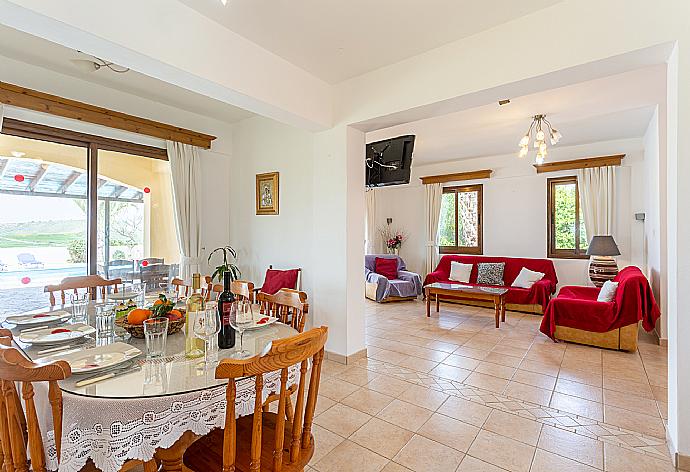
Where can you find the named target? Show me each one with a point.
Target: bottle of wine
(194, 346)
(226, 335)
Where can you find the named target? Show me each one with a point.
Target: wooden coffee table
(497, 295)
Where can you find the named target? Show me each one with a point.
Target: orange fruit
(158, 302)
(138, 315)
(174, 315)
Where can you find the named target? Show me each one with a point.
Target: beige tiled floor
(452, 393)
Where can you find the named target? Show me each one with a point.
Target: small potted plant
(229, 263)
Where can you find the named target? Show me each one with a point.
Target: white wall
(514, 222)
(262, 145)
(315, 223)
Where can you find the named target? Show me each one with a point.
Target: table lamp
(602, 265)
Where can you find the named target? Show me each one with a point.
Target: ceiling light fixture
(18, 154)
(96, 63)
(224, 2)
(540, 125)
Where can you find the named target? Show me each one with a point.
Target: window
(76, 204)
(566, 228)
(460, 223)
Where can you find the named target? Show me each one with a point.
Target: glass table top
(168, 375)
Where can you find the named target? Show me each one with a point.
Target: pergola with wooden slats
(45, 179)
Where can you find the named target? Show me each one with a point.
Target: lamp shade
(603, 246)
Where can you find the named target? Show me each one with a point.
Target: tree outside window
(460, 229)
(566, 228)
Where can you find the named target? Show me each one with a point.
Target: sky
(22, 209)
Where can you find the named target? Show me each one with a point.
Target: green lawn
(57, 233)
(38, 240)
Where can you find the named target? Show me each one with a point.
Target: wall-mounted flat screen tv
(388, 162)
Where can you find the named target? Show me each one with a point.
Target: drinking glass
(241, 318)
(105, 324)
(207, 325)
(170, 291)
(137, 292)
(156, 335)
(80, 304)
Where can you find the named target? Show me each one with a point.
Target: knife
(109, 375)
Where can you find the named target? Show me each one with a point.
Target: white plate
(270, 321)
(95, 359)
(43, 336)
(31, 319)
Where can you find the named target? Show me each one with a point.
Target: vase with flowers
(393, 238)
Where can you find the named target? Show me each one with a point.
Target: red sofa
(576, 315)
(533, 300)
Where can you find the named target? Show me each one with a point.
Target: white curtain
(597, 187)
(432, 212)
(370, 197)
(185, 170)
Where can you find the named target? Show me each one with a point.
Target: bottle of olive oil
(194, 347)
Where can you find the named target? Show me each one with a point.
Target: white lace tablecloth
(111, 431)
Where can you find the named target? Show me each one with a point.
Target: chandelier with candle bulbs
(537, 134)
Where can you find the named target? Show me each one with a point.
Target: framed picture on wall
(267, 193)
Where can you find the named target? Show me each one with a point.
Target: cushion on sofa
(526, 278)
(460, 272)
(608, 291)
(490, 273)
(387, 267)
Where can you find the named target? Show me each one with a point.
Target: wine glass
(207, 325)
(241, 318)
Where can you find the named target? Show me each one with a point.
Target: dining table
(149, 408)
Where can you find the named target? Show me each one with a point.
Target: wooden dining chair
(212, 290)
(92, 283)
(243, 289)
(185, 290)
(265, 441)
(19, 426)
(289, 306)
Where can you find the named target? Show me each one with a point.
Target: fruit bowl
(133, 321)
(137, 330)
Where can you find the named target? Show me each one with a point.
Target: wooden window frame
(92, 144)
(552, 252)
(476, 250)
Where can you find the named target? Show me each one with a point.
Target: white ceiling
(33, 50)
(339, 39)
(614, 107)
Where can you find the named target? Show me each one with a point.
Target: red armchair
(575, 314)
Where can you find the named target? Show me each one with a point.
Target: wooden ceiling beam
(457, 177)
(22, 97)
(601, 161)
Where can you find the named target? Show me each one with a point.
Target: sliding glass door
(75, 204)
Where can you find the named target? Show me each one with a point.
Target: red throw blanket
(577, 307)
(538, 294)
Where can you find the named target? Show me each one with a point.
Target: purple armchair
(407, 286)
